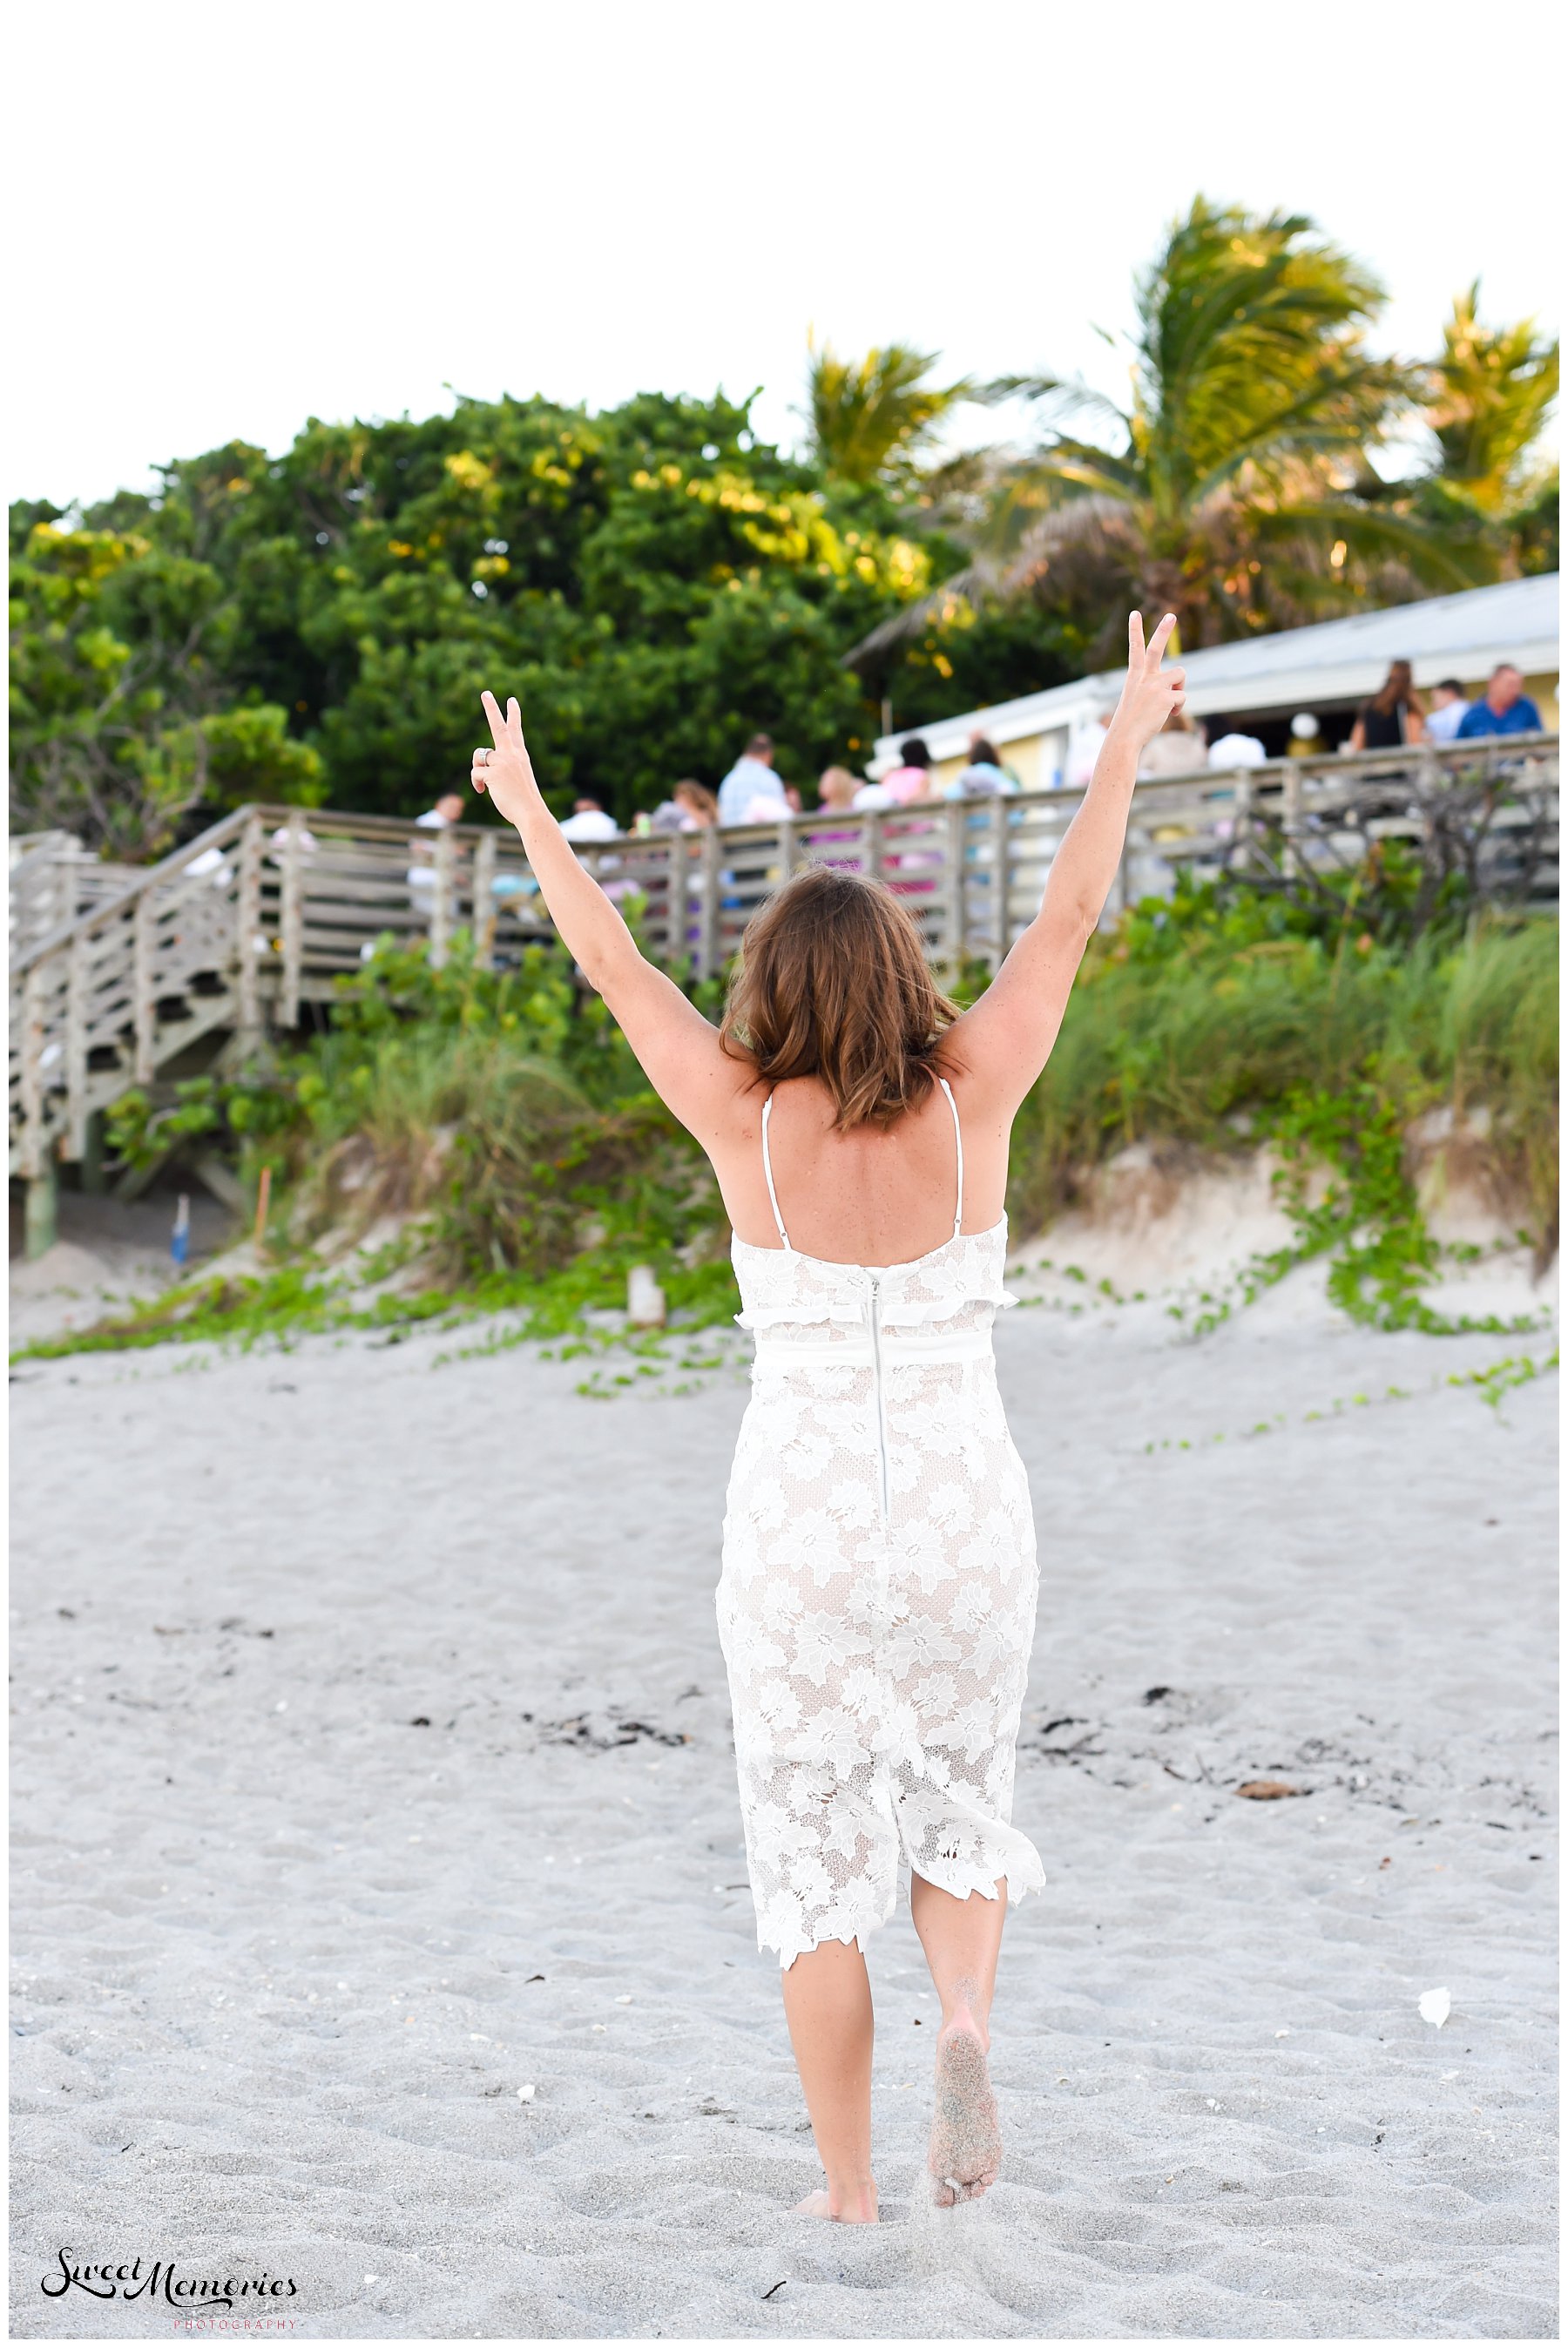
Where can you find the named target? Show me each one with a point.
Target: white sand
(276, 1947)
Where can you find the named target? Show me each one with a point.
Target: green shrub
(1193, 1023)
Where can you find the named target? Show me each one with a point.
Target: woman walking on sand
(877, 1594)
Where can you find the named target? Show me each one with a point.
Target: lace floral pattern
(877, 1595)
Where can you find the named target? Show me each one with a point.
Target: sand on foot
(966, 2152)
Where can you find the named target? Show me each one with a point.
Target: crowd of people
(1396, 714)
(754, 791)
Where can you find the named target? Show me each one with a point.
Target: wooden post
(95, 1182)
(30, 1076)
(789, 845)
(484, 900)
(441, 896)
(708, 922)
(72, 857)
(1000, 878)
(37, 1158)
(957, 939)
(76, 1048)
(675, 901)
(1427, 774)
(144, 1001)
(248, 938)
(1290, 860)
(42, 1209)
(291, 920)
(874, 850)
(1241, 823)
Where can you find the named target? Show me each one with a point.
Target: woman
(876, 1598)
(836, 791)
(1393, 716)
(698, 806)
(911, 780)
(985, 777)
(836, 794)
(1178, 749)
(912, 784)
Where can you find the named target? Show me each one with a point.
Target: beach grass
(459, 1142)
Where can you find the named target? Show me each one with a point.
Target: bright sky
(230, 218)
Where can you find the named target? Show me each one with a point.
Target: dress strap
(958, 1137)
(768, 1170)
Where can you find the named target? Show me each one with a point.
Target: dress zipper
(877, 1383)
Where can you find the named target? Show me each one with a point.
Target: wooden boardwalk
(268, 910)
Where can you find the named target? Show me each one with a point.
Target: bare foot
(852, 2205)
(965, 2140)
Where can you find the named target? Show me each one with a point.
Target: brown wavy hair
(1396, 686)
(833, 982)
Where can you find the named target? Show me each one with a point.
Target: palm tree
(870, 419)
(1234, 488)
(1488, 394)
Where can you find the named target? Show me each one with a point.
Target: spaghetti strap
(958, 1137)
(773, 1196)
(768, 1170)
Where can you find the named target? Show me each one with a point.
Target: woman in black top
(1393, 716)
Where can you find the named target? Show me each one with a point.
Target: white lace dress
(877, 1595)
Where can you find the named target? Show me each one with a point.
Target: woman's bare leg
(827, 2004)
(962, 1940)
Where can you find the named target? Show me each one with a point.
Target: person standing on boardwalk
(877, 1592)
(1393, 716)
(750, 792)
(421, 874)
(1504, 708)
(1446, 710)
(911, 779)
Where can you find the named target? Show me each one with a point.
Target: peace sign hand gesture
(504, 767)
(1150, 693)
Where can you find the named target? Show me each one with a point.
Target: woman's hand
(504, 769)
(1150, 693)
(684, 1060)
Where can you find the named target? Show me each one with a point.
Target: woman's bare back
(870, 1195)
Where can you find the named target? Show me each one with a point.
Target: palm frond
(1442, 563)
(1061, 399)
(1489, 394)
(870, 417)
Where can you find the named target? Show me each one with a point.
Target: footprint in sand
(966, 2139)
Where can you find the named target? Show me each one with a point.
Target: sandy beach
(381, 1918)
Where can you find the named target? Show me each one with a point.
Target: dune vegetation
(459, 1141)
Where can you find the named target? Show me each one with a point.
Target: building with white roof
(1257, 685)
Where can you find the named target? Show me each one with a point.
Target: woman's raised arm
(1004, 1042)
(680, 1052)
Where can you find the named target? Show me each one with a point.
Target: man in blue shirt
(750, 792)
(1507, 708)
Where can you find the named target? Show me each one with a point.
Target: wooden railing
(972, 873)
(54, 880)
(266, 912)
